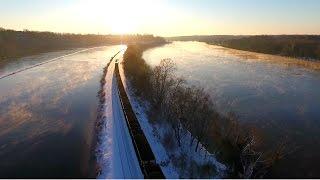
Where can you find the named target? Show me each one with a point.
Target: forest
(297, 46)
(15, 44)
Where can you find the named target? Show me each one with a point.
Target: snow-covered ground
(116, 155)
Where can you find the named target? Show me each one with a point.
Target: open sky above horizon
(163, 17)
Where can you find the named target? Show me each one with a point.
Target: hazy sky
(163, 17)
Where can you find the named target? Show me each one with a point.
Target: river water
(282, 99)
(47, 114)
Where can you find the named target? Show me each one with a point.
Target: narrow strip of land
(118, 158)
(142, 148)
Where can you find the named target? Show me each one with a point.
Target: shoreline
(96, 168)
(313, 64)
(270, 58)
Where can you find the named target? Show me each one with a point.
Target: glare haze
(163, 17)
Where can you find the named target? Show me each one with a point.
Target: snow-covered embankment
(115, 153)
(170, 160)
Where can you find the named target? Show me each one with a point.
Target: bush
(207, 170)
(137, 70)
(168, 141)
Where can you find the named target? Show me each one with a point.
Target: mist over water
(48, 114)
(280, 98)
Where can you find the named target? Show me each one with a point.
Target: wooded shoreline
(295, 46)
(15, 44)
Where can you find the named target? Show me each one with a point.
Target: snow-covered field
(116, 155)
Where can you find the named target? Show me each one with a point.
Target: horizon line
(131, 34)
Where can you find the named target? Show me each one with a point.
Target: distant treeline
(208, 39)
(300, 46)
(22, 43)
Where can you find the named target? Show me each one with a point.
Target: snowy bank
(175, 161)
(115, 153)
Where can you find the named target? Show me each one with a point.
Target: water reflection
(279, 95)
(10, 65)
(48, 114)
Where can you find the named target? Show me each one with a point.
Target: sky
(163, 17)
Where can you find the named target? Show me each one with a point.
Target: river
(48, 114)
(273, 93)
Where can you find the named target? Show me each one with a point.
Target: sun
(120, 16)
(122, 26)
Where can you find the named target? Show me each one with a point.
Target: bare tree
(205, 115)
(192, 109)
(198, 113)
(175, 108)
(249, 158)
(161, 81)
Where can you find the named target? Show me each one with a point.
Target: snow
(116, 154)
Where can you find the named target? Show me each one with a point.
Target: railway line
(146, 158)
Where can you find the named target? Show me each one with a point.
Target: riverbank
(302, 47)
(96, 169)
(277, 59)
(276, 99)
(186, 118)
(295, 46)
(177, 161)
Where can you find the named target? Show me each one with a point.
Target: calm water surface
(282, 100)
(47, 114)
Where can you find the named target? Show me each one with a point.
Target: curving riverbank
(263, 92)
(101, 118)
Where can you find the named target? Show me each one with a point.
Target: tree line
(22, 43)
(298, 46)
(190, 108)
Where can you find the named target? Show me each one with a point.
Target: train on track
(146, 158)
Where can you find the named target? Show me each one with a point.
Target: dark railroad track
(146, 158)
